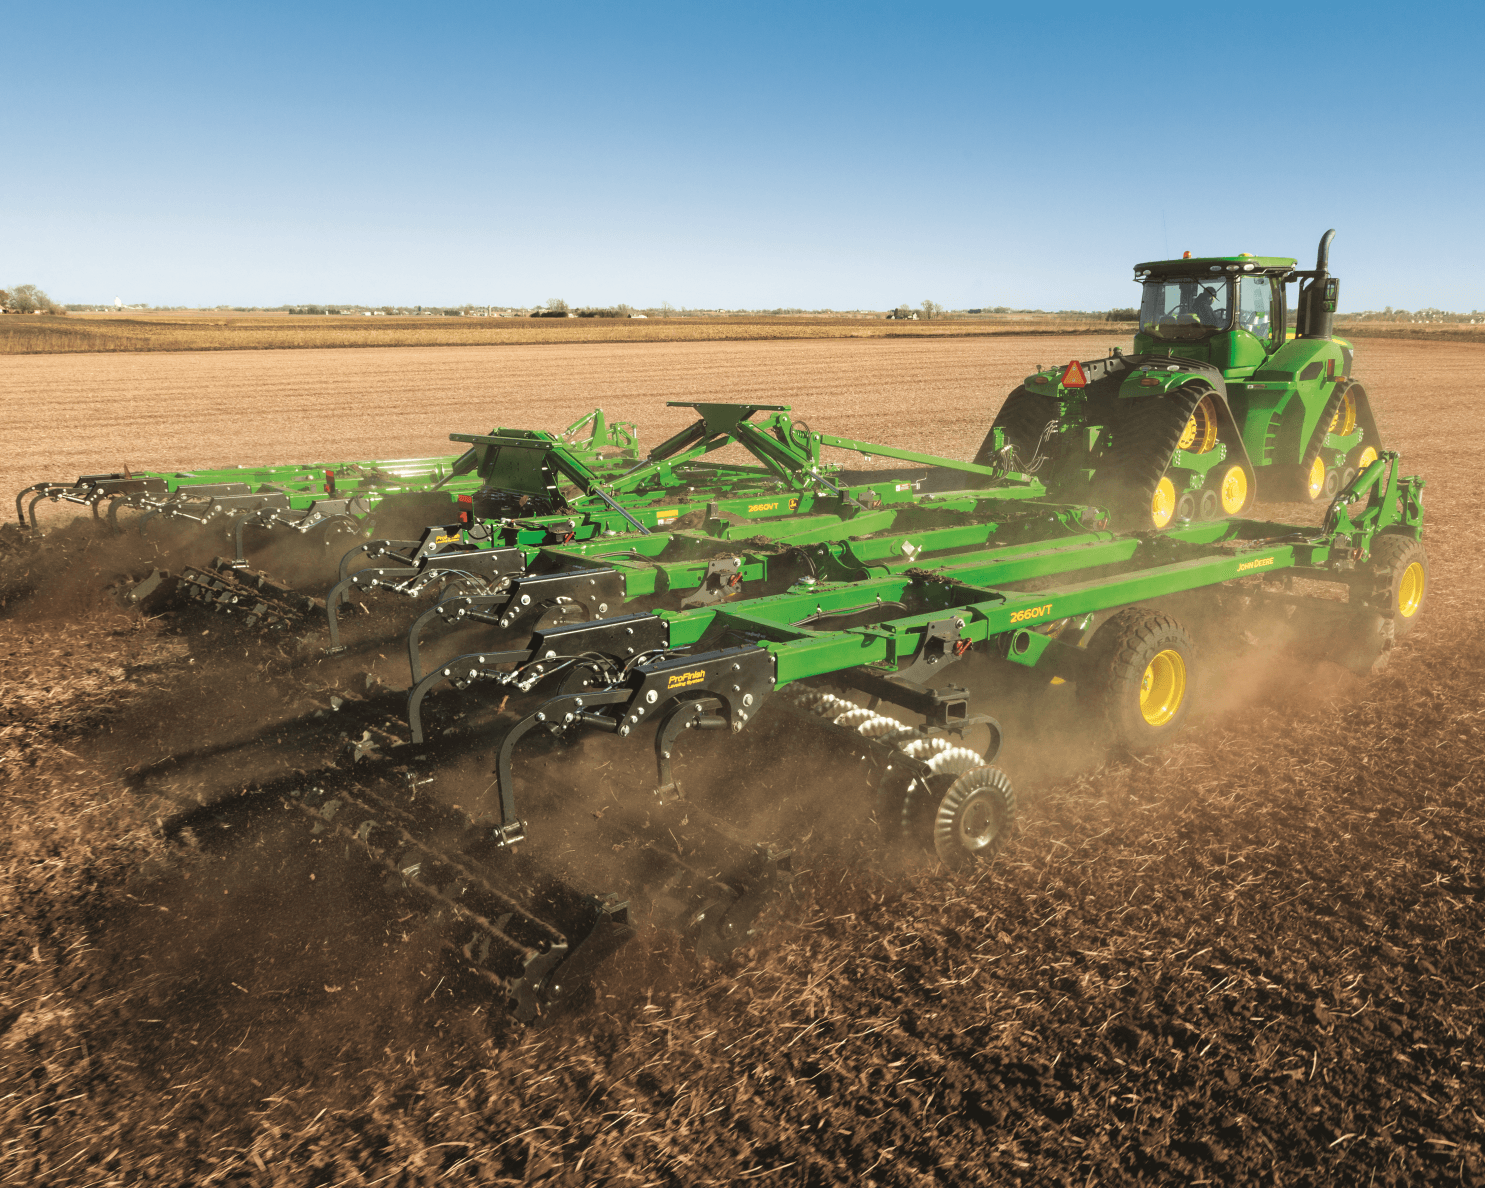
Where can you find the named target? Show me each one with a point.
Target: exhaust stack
(1318, 296)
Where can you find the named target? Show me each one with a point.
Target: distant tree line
(28, 299)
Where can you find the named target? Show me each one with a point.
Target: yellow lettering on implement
(669, 516)
(1242, 565)
(681, 679)
(1035, 612)
(446, 539)
(763, 507)
(793, 504)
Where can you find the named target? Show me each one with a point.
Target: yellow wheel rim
(1163, 503)
(1200, 434)
(1345, 416)
(1316, 480)
(1163, 687)
(1368, 456)
(1410, 590)
(1234, 490)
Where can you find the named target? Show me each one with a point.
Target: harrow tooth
(517, 945)
(247, 594)
(700, 875)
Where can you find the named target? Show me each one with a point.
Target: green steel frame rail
(670, 484)
(720, 663)
(287, 495)
(701, 568)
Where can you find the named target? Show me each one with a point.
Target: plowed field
(1250, 958)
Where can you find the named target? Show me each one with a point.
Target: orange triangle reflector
(1073, 377)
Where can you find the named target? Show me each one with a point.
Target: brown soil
(207, 330)
(1251, 957)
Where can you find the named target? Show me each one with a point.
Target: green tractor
(1219, 402)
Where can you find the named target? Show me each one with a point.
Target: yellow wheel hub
(1163, 687)
(1366, 458)
(1345, 416)
(1163, 502)
(1316, 480)
(1234, 490)
(1200, 434)
(1410, 590)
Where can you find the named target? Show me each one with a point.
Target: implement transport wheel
(973, 821)
(1142, 668)
(1399, 572)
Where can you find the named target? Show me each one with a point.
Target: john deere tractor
(1218, 403)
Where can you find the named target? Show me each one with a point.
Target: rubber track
(1023, 416)
(1301, 476)
(1145, 433)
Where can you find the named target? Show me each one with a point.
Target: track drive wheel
(1399, 570)
(1313, 478)
(973, 821)
(1132, 478)
(1142, 670)
(1023, 417)
(1232, 489)
(1347, 405)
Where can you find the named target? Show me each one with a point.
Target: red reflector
(1073, 377)
(329, 482)
(1330, 369)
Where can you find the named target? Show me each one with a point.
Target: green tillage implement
(671, 488)
(719, 562)
(1218, 403)
(893, 634)
(338, 497)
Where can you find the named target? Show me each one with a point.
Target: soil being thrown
(1250, 957)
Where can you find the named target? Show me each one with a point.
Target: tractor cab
(1227, 311)
(1230, 311)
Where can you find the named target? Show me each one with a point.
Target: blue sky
(733, 155)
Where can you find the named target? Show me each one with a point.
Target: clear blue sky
(734, 155)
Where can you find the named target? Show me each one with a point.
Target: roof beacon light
(1185, 255)
(1073, 377)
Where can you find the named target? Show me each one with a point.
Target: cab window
(1256, 306)
(1185, 309)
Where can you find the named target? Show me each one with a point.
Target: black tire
(1399, 580)
(973, 821)
(1023, 417)
(1135, 647)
